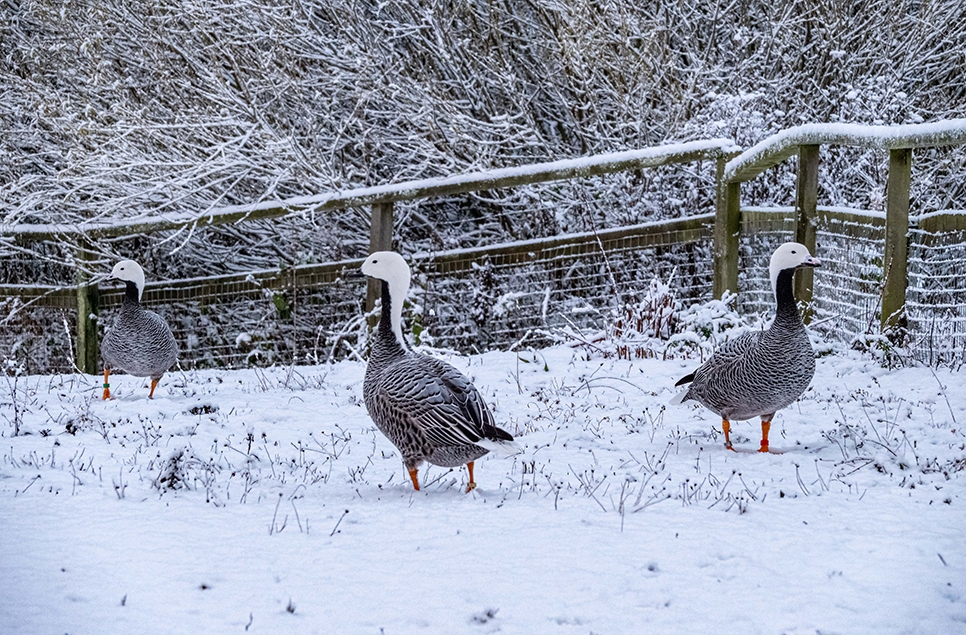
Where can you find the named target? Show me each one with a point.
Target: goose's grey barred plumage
(140, 342)
(427, 408)
(758, 374)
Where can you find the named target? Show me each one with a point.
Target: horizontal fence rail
(883, 271)
(778, 147)
(425, 188)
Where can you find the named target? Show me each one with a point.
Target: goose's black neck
(787, 306)
(386, 334)
(131, 293)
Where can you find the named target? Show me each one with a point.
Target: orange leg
(107, 385)
(154, 384)
(726, 426)
(765, 427)
(472, 484)
(412, 475)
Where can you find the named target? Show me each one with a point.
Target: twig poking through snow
(946, 397)
(339, 522)
(271, 529)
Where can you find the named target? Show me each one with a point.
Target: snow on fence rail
(503, 294)
(583, 167)
(780, 146)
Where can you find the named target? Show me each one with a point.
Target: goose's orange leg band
(765, 428)
(726, 426)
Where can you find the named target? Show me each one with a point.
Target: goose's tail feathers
(499, 441)
(680, 398)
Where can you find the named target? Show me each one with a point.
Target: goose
(429, 410)
(140, 342)
(759, 373)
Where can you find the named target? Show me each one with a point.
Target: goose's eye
(794, 252)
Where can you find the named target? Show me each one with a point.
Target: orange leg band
(765, 428)
(726, 426)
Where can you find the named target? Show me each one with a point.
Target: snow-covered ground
(266, 502)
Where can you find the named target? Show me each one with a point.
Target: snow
(945, 132)
(264, 501)
(936, 214)
(835, 209)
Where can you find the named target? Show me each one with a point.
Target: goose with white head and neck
(427, 408)
(759, 373)
(140, 342)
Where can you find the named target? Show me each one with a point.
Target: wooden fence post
(896, 240)
(380, 239)
(88, 301)
(727, 227)
(806, 202)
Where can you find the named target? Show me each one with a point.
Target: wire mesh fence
(847, 288)
(461, 299)
(475, 301)
(38, 336)
(762, 231)
(522, 292)
(936, 297)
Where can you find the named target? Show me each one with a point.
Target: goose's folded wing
(731, 351)
(437, 399)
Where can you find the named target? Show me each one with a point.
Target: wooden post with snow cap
(88, 300)
(806, 202)
(380, 239)
(727, 227)
(894, 263)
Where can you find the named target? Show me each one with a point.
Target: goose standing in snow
(759, 373)
(140, 342)
(427, 408)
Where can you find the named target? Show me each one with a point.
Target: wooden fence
(733, 168)
(806, 142)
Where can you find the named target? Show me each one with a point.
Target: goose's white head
(790, 256)
(129, 271)
(391, 267)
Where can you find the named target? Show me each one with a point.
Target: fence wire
(936, 296)
(468, 300)
(846, 289)
(471, 303)
(479, 299)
